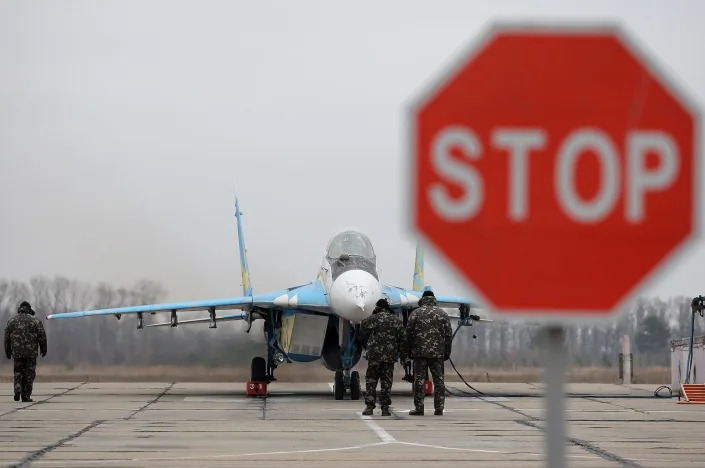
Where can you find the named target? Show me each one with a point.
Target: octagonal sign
(555, 170)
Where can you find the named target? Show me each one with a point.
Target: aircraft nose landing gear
(346, 380)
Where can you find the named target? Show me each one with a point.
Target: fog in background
(123, 126)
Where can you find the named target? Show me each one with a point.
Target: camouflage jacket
(383, 332)
(22, 336)
(429, 334)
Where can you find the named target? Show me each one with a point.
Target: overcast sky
(123, 126)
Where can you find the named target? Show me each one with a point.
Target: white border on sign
(632, 44)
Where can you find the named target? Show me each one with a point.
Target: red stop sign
(554, 170)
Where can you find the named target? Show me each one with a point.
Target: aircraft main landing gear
(339, 385)
(258, 370)
(346, 380)
(258, 378)
(355, 385)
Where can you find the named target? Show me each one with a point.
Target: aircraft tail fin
(418, 270)
(246, 286)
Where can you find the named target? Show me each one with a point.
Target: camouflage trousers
(25, 372)
(384, 372)
(421, 368)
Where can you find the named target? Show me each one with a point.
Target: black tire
(355, 385)
(338, 386)
(259, 370)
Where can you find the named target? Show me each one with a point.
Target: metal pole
(627, 362)
(555, 397)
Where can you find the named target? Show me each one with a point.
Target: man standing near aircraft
(22, 336)
(429, 340)
(384, 333)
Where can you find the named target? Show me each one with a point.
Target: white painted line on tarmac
(381, 433)
(355, 447)
(209, 457)
(441, 447)
(502, 452)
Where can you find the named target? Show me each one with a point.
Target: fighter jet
(318, 320)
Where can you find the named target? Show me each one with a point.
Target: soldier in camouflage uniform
(22, 336)
(429, 339)
(383, 332)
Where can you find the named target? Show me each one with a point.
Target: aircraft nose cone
(354, 295)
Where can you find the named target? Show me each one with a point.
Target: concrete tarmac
(301, 425)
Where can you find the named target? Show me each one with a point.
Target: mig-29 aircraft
(318, 320)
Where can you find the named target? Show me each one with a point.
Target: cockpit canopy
(352, 243)
(351, 250)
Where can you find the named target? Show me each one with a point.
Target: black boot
(368, 411)
(438, 412)
(386, 412)
(26, 399)
(17, 396)
(416, 412)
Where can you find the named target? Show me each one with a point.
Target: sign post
(555, 396)
(554, 169)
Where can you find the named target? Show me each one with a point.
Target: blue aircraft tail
(418, 270)
(246, 287)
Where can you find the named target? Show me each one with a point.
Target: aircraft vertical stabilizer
(418, 270)
(246, 286)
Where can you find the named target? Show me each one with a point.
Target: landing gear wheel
(259, 370)
(338, 385)
(355, 385)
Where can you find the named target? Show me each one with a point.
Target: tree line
(650, 322)
(104, 340)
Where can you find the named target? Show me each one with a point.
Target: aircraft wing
(306, 297)
(224, 318)
(405, 298)
(400, 298)
(231, 303)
